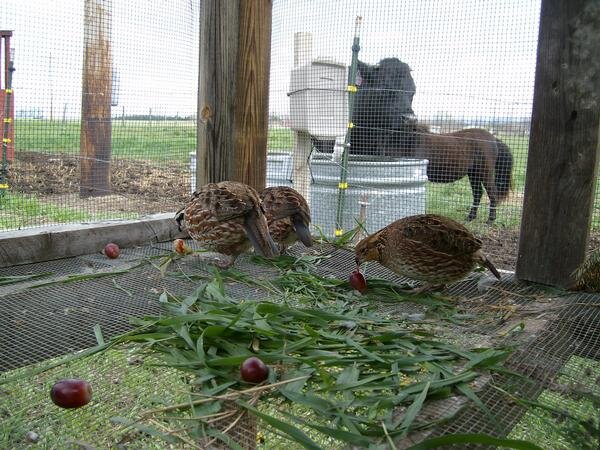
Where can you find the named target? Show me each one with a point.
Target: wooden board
(34, 245)
(563, 149)
(233, 91)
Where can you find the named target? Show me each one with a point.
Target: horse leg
(477, 191)
(490, 187)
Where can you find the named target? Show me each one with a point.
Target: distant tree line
(154, 117)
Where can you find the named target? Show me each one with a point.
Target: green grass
(549, 431)
(280, 139)
(116, 391)
(156, 141)
(174, 140)
(19, 211)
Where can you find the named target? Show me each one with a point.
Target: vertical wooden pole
(251, 116)
(302, 147)
(95, 146)
(233, 85)
(216, 89)
(563, 149)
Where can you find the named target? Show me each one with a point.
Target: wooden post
(233, 91)
(251, 117)
(95, 146)
(563, 148)
(301, 165)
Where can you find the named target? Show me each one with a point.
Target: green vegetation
(579, 403)
(19, 211)
(173, 140)
(351, 366)
(281, 139)
(165, 140)
(115, 378)
(135, 139)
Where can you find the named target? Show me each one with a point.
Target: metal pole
(343, 184)
(7, 119)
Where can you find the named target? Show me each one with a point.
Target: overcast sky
(470, 58)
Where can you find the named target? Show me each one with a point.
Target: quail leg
(427, 287)
(225, 262)
(220, 261)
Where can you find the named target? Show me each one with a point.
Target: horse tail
(503, 169)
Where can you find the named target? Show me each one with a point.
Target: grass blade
(413, 410)
(98, 334)
(474, 439)
(295, 433)
(20, 278)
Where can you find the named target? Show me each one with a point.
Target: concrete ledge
(63, 241)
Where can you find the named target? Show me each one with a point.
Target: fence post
(563, 147)
(251, 109)
(233, 91)
(302, 144)
(96, 93)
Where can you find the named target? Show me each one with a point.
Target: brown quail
(288, 216)
(227, 218)
(429, 248)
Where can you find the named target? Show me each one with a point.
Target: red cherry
(358, 282)
(71, 393)
(253, 370)
(112, 250)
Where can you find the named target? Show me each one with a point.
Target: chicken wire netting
(104, 104)
(553, 335)
(443, 81)
(430, 71)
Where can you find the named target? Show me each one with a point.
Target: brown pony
(472, 152)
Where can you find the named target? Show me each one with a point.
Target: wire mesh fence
(554, 351)
(104, 109)
(440, 102)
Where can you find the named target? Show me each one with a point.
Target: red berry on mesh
(253, 370)
(71, 393)
(358, 282)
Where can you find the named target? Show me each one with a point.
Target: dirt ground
(143, 187)
(138, 186)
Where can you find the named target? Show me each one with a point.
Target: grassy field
(159, 140)
(174, 140)
(164, 140)
(18, 211)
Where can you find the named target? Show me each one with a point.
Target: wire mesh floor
(556, 335)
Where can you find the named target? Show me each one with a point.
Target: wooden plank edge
(64, 241)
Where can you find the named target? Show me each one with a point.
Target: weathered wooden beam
(216, 89)
(233, 91)
(251, 112)
(95, 144)
(64, 241)
(563, 147)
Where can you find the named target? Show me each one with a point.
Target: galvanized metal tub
(279, 169)
(391, 189)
